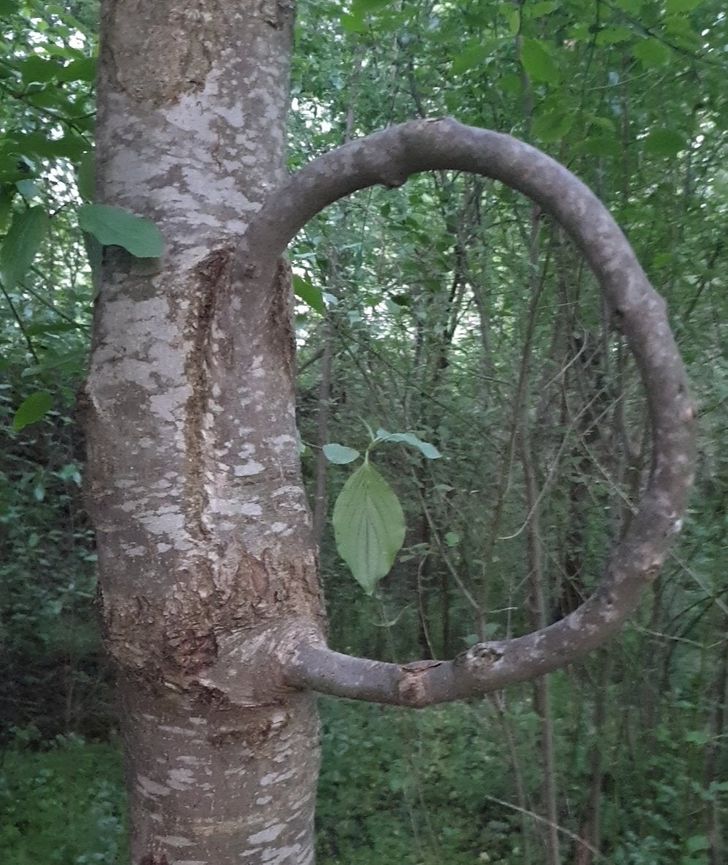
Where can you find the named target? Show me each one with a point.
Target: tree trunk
(203, 529)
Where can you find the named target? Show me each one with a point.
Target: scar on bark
(210, 276)
(281, 312)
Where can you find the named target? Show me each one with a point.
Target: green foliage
(63, 806)
(424, 787)
(369, 526)
(52, 673)
(113, 226)
(340, 455)
(429, 291)
(308, 293)
(433, 284)
(538, 62)
(368, 519)
(664, 142)
(32, 409)
(425, 448)
(86, 176)
(21, 244)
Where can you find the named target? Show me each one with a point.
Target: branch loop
(387, 158)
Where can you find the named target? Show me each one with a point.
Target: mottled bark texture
(208, 572)
(201, 518)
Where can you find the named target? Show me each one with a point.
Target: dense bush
(62, 806)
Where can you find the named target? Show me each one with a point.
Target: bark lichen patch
(250, 468)
(276, 778)
(266, 835)
(176, 841)
(181, 779)
(151, 789)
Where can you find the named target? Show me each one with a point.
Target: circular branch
(388, 158)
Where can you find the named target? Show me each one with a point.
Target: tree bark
(201, 518)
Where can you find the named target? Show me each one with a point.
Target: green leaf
(677, 6)
(70, 472)
(8, 7)
(308, 293)
(602, 145)
(113, 226)
(613, 35)
(663, 259)
(15, 166)
(95, 254)
(697, 737)
(361, 6)
(7, 193)
(553, 125)
(21, 244)
(652, 53)
(86, 176)
(83, 69)
(368, 526)
(664, 142)
(452, 539)
(340, 454)
(511, 84)
(32, 409)
(28, 189)
(37, 68)
(401, 300)
(353, 23)
(513, 17)
(425, 448)
(696, 843)
(537, 10)
(70, 145)
(681, 33)
(43, 328)
(472, 55)
(538, 63)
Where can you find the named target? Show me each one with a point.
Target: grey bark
(201, 518)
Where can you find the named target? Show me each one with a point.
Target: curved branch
(388, 158)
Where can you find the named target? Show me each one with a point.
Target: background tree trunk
(202, 524)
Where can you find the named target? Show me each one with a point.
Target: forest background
(454, 309)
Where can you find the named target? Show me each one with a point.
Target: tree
(208, 569)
